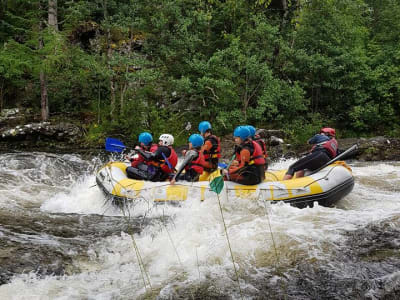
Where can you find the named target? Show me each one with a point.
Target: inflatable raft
(327, 186)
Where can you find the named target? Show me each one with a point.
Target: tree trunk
(1, 95)
(109, 54)
(286, 12)
(44, 103)
(52, 19)
(124, 86)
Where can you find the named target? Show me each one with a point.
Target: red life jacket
(173, 160)
(256, 154)
(196, 164)
(261, 142)
(153, 148)
(215, 151)
(331, 146)
(140, 159)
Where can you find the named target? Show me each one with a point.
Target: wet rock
(373, 149)
(40, 135)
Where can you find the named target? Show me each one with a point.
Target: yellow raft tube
(326, 187)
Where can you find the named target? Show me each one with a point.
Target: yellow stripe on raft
(128, 187)
(120, 165)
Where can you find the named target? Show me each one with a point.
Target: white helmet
(167, 139)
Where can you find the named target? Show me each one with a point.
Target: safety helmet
(328, 131)
(145, 138)
(204, 126)
(252, 130)
(167, 139)
(241, 131)
(196, 140)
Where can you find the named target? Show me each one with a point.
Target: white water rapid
(182, 252)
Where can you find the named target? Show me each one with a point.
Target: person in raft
(193, 162)
(159, 164)
(248, 168)
(325, 148)
(211, 148)
(146, 145)
(257, 138)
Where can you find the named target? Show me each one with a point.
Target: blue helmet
(196, 140)
(204, 126)
(241, 131)
(145, 138)
(252, 130)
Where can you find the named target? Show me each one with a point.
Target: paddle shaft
(351, 149)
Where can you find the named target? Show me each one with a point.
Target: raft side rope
(316, 180)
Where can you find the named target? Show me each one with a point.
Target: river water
(61, 239)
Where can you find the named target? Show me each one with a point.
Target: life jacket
(330, 146)
(262, 144)
(140, 159)
(215, 151)
(256, 153)
(162, 163)
(153, 148)
(173, 160)
(196, 164)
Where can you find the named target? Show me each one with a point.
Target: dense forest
(123, 66)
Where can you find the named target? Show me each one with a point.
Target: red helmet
(328, 131)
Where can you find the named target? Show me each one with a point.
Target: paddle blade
(217, 182)
(114, 145)
(222, 165)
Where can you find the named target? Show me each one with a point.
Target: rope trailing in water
(176, 250)
(198, 265)
(270, 230)
(141, 265)
(230, 248)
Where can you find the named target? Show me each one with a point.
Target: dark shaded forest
(124, 66)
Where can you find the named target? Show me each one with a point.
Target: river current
(61, 239)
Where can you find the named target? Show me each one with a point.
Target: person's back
(211, 148)
(249, 166)
(324, 149)
(257, 138)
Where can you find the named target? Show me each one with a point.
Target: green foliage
(148, 65)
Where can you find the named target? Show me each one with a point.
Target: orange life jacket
(215, 151)
(256, 153)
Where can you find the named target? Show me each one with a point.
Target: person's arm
(244, 158)
(190, 155)
(207, 146)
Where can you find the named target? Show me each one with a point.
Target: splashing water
(170, 252)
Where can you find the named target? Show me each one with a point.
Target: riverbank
(62, 136)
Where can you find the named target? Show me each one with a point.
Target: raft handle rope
(324, 177)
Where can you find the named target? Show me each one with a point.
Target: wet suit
(318, 156)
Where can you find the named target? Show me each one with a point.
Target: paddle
(114, 145)
(343, 154)
(190, 155)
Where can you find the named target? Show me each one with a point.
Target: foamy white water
(183, 247)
